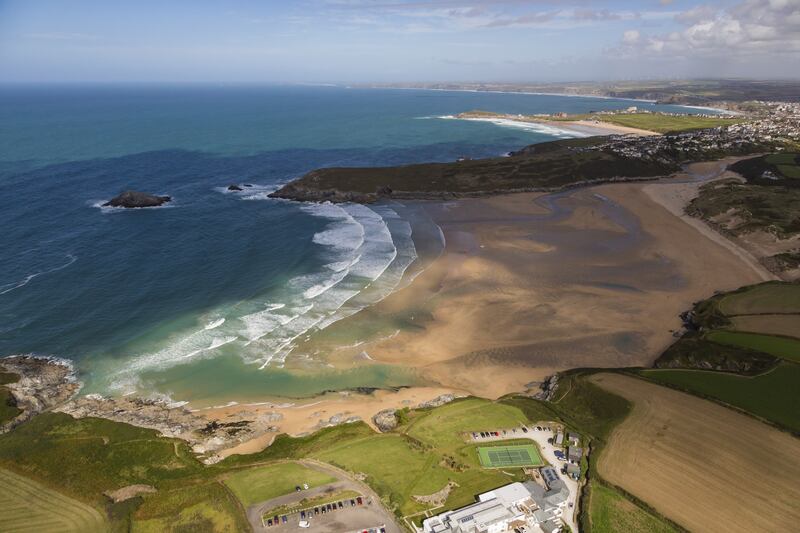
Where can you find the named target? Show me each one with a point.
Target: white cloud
(631, 37)
(751, 28)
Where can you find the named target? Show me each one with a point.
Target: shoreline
(497, 312)
(534, 93)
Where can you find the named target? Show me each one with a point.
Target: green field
(772, 396)
(29, 506)
(264, 483)
(524, 455)
(666, 123)
(446, 426)
(766, 298)
(611, 512)
(783, 347)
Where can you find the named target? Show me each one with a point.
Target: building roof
(573, 452)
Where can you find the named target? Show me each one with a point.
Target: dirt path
(702, 465)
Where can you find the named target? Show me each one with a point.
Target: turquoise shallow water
(206, 297)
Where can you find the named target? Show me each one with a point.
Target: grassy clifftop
(546, 166)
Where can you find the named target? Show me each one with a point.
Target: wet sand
(531, 284)
(528, 284)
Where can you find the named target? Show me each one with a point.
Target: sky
(363, 41)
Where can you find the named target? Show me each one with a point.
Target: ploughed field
(704, 466)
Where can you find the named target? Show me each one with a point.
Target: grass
(446, 426)
(783, 347)
(204, 507)
(29, 506)
(588, 408)
(666, 123)
(523, 455)
(765, 298)
(264, 483)
(611, 512)
(772, 396)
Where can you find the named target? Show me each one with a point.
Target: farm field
(786, 325)
(266, 482)
(705, 467)
(611, 512)
(666, 123)
(773, 395)
(26, 505)
(783, 347)
(766, 298)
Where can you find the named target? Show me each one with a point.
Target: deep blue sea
(203, 298)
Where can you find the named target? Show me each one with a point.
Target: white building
(502, 509)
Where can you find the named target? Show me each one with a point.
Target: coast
(529, 284)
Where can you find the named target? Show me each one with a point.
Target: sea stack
(134, 199)
(234, 187)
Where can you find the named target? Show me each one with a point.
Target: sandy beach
(593, 127)
(531, 284)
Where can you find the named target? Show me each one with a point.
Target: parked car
(330, 507)
(284, 519)
(359, 500)
(341, 505)
(322, 508)
(352, 503)
(305, 486)
(316, 510)
(302, 515)
(269, 522)
(275, 520)
(524, 429)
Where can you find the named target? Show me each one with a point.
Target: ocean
(205, 298)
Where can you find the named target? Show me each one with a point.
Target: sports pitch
(509, 456)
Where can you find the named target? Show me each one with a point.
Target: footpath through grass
(262, 483)
(773, 396)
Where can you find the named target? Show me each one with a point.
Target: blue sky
(395, 40)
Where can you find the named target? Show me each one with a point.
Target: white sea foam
(30, 277)
(526, 126)
(215, 324)
(369, 250)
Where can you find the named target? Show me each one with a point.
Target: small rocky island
(135, 199)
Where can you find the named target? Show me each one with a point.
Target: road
(548, 454)
(370, 515)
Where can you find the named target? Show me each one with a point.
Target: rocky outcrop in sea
(135, 199)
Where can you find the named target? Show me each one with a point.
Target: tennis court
(509, 456)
